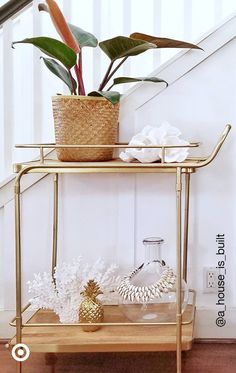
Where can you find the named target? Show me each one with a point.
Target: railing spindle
(37, 79)
(218, 10)
(126, 31)
(188, 19)
(97, 20)
(157, 25)
(1, 108)
(8, 107)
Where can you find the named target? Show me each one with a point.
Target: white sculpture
(61, 292)
(163, 135)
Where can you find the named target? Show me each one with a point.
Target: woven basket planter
(85, 120)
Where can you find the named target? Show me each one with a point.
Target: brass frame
(55, 167)
(55, 223)
(30, 325)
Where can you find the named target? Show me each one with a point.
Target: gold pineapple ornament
(91, 310)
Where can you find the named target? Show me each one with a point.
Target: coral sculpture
(62, 291)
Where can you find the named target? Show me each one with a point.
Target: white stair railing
(25, 109)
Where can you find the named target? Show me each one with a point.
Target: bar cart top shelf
(115, 165)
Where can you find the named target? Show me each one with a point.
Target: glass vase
(148, 294)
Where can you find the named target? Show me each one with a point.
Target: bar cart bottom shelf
(108, 338)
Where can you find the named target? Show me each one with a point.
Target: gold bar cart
(117, 333)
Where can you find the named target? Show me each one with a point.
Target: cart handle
(217, 148)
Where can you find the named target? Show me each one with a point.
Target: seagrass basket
(84, 120)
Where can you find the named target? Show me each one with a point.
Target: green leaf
(60, 72)
(53, 48)
(163, 42)
(84, 38)
(113, 97)
(124, 79)
(43, 7)
(122, 46)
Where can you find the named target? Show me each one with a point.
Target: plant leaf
(163, 42)
(61, 25)
(83, 38)
(126, 79)
(113, 97)
(60, 72)
(53, 48)
(43, 7)
(122, 46)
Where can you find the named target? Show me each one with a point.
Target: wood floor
(207, 358)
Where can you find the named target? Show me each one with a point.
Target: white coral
(163, 135)
(61, 292)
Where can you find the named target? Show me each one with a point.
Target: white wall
(200, 104)
(110, 214)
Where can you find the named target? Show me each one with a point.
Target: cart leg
(18, 261)
(186, 220)
(179, 269)
(19, 367)
(55, 222)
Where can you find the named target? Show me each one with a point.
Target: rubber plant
(64, 58)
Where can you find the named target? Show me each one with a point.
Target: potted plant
(92, 118)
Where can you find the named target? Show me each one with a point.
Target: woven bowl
(85, 120)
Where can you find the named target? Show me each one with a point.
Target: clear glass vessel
(160, 308)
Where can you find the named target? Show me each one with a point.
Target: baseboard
(215, 340)
(4, 341)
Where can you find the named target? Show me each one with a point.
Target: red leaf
(61, 25)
